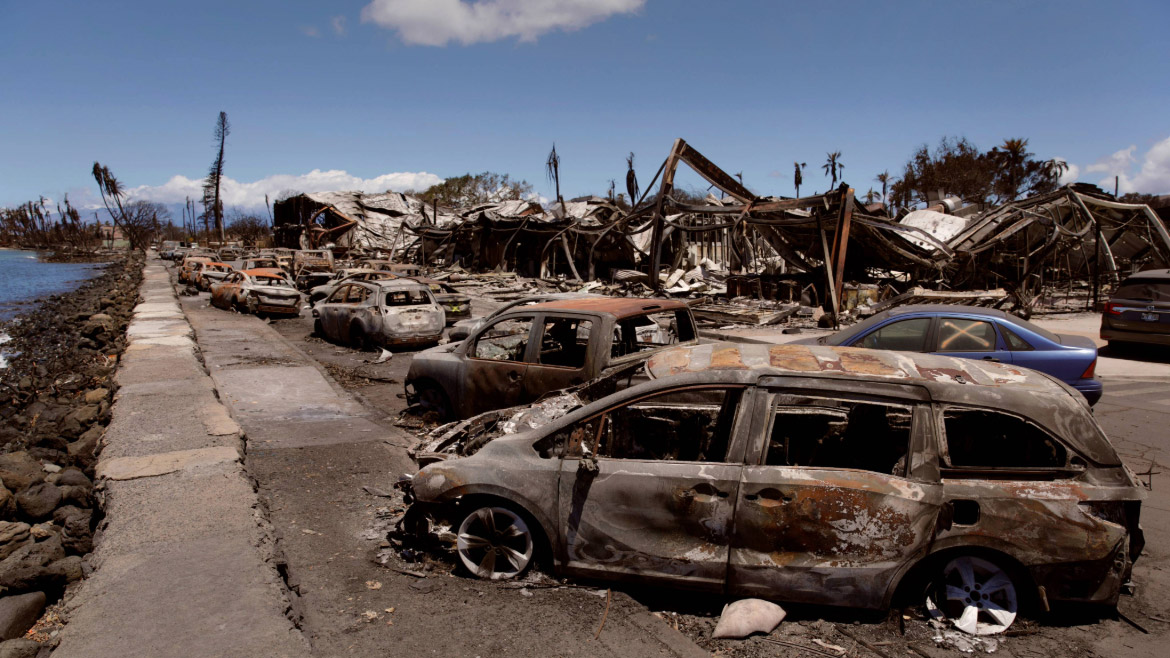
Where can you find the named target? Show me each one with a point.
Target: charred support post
(667, 185)
(833, 306)
(840, 246)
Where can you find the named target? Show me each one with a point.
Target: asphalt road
(314, 449)
(319, 419)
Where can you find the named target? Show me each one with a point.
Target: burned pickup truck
(814, 474)
(530, 350)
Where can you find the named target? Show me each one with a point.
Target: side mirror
(587, 465)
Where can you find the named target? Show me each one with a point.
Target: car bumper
(455, 316)
(1118, 335)
(280, 309)
(406, 341)
(1090, 388)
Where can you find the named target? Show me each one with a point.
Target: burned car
(209, 273)
(456, 305)
(365, 314)
(463, 328)
(190, 265)
(814, 474)
(317, 293)
(530, 350)
(260, 291)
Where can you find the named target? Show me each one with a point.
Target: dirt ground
(359, 596)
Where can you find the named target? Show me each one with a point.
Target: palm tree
(870, 196)
(1010, 158)
(797, 178)
(631, 180)
(1054, 169)
(553, 169)
(833, 167)
(884, 179)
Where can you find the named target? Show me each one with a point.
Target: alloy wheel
(494, 543)
(976, 596)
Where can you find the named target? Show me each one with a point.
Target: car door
(564, 354)
(332, 312)
(904, 335)
(658, 500)
(495, 364)
(970, 338)
(836, 499)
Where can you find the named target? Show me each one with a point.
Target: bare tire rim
(975, 595)
(494, 543)
(433, 399)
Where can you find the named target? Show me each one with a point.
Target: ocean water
(25, 280)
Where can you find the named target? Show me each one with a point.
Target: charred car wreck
(528, 351)
(813, 474)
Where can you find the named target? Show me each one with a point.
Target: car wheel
(433, 398)
(495, 543)
(975, 595)
(318, 330)
(358, 339)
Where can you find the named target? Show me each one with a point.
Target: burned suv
(821, 475)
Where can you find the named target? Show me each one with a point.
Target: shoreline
(55, 400)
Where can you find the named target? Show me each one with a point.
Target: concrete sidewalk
(183, 564)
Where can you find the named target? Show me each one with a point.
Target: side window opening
(565, 342)
(357, 294)
(649, 332)
(572, 441)
(691, 425)
(815, 432)
(1015, 343)
(505, 340)
(956, 335)
(904, 335)
(977, 438)
(338, 296)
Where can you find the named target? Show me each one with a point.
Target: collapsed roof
(1076, 232)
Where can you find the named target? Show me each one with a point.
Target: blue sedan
(976, 333)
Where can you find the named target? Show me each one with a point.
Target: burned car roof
(1014, 389)
(619, 307)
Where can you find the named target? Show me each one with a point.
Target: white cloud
(1118, 163)
(438, 22)
(1152, 175)
(1071, 174)
(251, 195)
(338, 23)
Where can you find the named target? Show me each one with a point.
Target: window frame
(916, 426)
(342, 290)
(1075, 462)
(996, 346)
(472, 345)
(928, 337)
(732, 456)
(546, 318)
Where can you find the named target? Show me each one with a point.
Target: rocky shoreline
(55, 398)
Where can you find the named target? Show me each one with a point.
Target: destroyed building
(827, 250)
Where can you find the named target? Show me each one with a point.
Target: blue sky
(312, 87)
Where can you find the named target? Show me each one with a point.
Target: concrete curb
(183, 564)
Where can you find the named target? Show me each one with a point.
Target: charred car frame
(813, 474)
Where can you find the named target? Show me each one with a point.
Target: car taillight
(1088, 373)
(1112, 511)
(1112, 309)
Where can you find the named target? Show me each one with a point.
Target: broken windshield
(407, 297)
